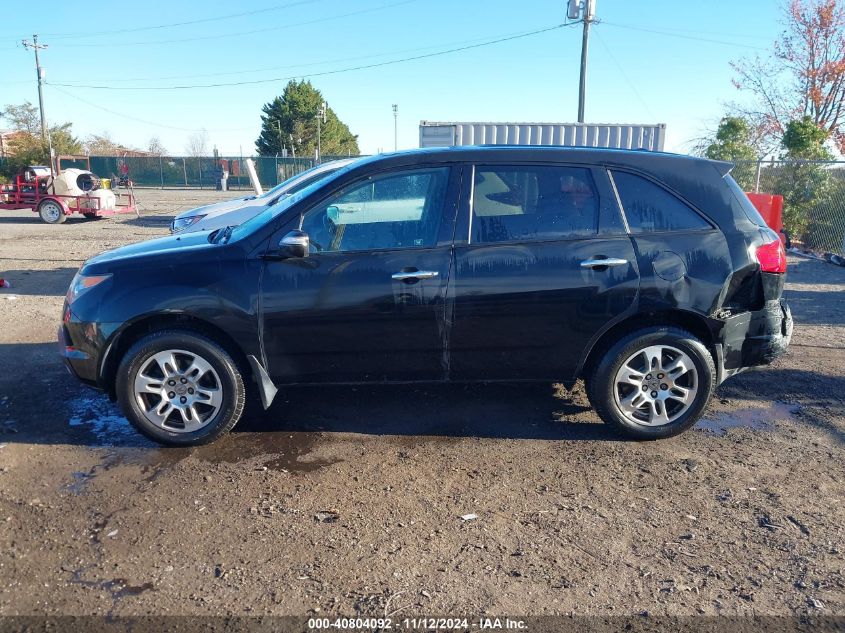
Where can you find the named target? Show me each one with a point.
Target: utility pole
(395, 127)
(281, 142)
(40, 74)
(586, 10)
(321, 116)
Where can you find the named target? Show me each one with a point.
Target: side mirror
(295, 244)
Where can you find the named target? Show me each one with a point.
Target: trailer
(612, 135)
(56, 196)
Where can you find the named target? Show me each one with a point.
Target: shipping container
(613, 135)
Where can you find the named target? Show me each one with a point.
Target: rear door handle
(415, 274)
(609, 261)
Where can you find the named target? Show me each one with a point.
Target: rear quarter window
(650, 208)
(744, 203)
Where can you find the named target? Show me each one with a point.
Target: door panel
(341, 317)
(528, 311)
(524, 306)
(368, 303)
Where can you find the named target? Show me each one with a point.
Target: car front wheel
(653, 383)
(180, 388)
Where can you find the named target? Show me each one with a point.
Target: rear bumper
(751, 339)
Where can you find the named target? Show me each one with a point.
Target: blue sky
(651, 61)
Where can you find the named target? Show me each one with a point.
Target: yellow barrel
(105, 183)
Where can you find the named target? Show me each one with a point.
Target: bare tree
(804, 75)
(102, 145)
(197, 144)
(155, 146)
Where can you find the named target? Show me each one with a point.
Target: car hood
(172, 244)
(224, 207)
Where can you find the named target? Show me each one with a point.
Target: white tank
(78, 182)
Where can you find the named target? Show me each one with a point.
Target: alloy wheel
(655, 385)
(178, 391)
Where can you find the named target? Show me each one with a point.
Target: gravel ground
(350, 500)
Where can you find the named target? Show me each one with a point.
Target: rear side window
(745, 204)
(532, 202)
(649, 208)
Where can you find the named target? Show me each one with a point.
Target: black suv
(650, 276)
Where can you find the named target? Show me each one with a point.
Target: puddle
(287, 452)
(117, 587)
(756, 418)
(284, 451)
(102, 418)
(80, 482)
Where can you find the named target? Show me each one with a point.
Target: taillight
(772, 257)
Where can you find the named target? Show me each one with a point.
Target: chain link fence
(193, 171)
(813, 198)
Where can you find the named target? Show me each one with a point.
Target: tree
(197, 144)
(806, 185)
(23, 117)
(733, 142)
(294, 113)
(805, 74)
(28, 148)
(155, 146)
(102, 145)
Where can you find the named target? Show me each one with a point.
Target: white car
(233, 212)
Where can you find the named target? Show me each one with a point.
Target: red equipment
(770, 207)
(34, 189)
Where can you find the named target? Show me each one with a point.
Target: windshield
(283, 186)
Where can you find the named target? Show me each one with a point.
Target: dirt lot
(349, 500)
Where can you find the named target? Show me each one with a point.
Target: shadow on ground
(53, 282)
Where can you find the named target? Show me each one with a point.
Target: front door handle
(414, 274)
(609, 261)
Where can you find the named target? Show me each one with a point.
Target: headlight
(82, 284)
(180, 224)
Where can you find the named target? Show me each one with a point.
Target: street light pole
(321, 116)
(395, 127)
(40, 74)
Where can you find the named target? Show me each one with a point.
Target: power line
(683, 37)
(242, 33)
(138, 120)
(86, 34)
(322, 73)
(624, 74)
(305, 64)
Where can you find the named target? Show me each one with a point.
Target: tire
(205, 378)
(672, 396)
(51, 212)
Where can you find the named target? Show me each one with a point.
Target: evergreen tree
(294, 114)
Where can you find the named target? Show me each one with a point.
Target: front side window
(533, 202)
(650, 208)
(395, 210)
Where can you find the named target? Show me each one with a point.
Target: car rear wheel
(653, 383)
(180, 388)
(51, 212)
